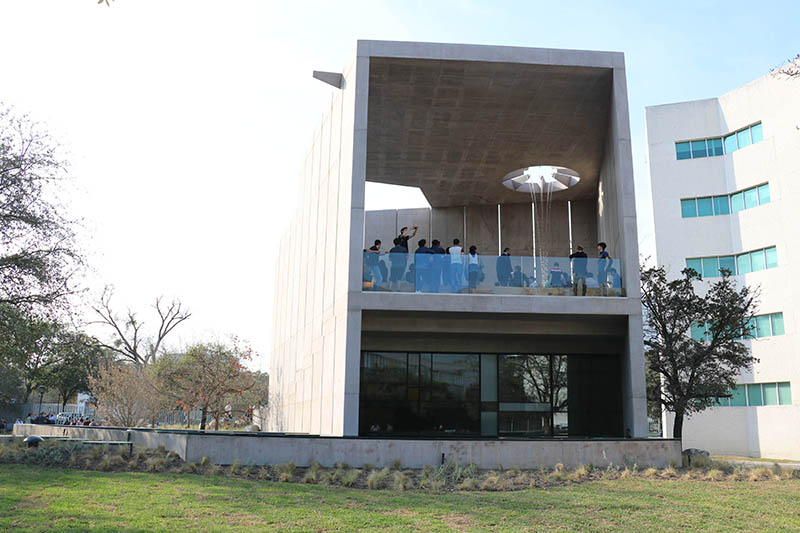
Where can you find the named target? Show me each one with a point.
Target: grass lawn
(52, 499)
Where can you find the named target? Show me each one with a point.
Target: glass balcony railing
(491, 274)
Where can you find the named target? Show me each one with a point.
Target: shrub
(133, 465)
(190, 468)
(95, 452)
(351, 477)
(376, 478)
(311, 476)
(580, 473)
(397, 464)
(367, 467)
(715, 474)
(215, 470)
(287, 468)
(761, 474)
(264, 473)
(156, 464)
(650, 472)
(427, 471)
(105, 463)
(491, 482)
(469, 483)
(401, 481)
(437, 484)
(204, 462)
(669, 472)
(235, 468)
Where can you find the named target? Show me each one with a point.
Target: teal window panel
(715, 146)
(751, 198)
(771, 257)
(696, 264)
(705, 207)
(750, 329)
(757, 133)
(723, 402)
(763, 194)
(721, 205)
(743, 263)
(763, 326)
(785, 393)
(770, 392)
(698, 332)
(710, 267)
(757, 260)
(737, 202)
(699, 149)
(730, 143)
(743, 137)
(683, 150)
(727, 262)
(689, 208)
(754, 395)
(738, 396)
(777, 323)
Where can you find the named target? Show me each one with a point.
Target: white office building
(725, 177)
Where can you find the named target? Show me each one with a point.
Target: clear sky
(186, 121)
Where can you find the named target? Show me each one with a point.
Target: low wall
(261, 448)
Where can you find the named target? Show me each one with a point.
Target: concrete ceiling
(456, 128)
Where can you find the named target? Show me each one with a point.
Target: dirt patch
(458, 522)
(405, 513)
(35, 501)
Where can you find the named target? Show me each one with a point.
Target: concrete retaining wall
(303, 450)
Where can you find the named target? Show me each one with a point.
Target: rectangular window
(785, 393)
(743, 138)
(743, 263)
(757, 260)
(705, 207)
(698, 332)
(698, 149)
(730, 143)
(751, 198)
(710, 267)
(772, 257)
(723, 402)
(728, 262)
(750, 329)
(689, 208)
(777, 323)
(754, 395)
(738, 396)
(715, 146)
(737, 202)
(721, 206)
(763, 327)
(696, 264)
(757, 133)
(683, 150)
(763, 194)
(770, 392)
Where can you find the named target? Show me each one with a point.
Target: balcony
(491, 274)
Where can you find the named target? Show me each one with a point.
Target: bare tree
(130, 340)
(124, 394)
(790, 69)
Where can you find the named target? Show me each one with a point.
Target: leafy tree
(78, 358)
(693, 373)
(11, 389)
(38, 254)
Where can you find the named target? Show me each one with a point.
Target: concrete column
(634, 393)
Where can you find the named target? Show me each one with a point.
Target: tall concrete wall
(447, 223)
(516, 228)
(482, 229)
(552, 228)
(584, 225)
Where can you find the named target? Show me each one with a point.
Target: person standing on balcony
(603, 265)
(422, 259)
(437, 265)
(504, 268)
(473, 267)
(405, 235)
(456, 265)
(579, 261)
(398, 257)
(373, 261)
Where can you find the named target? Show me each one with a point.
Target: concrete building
(724, 173)
(408, 344)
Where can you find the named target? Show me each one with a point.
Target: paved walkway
(792, 465)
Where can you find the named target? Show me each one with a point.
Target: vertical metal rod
(569, 215)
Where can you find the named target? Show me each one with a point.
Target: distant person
(398, 258)
(456, 253)
(503, 268)
(603, 264)
(422, 258)
(473, 267)
(19, 421)
(405, 235)
(557, 276)
(518, 278)
(437, 265)
(372, 259)
(579, 261)
(591, 282)
(614, 280)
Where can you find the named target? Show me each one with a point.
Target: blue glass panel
(743, 264)
(737, 202)
(757, 133)
(698, 149)
(777, 323)
(770, 392)
(698, 332)
(738, 396)
(772, 257)
(714, 146)
(705, 207)
(683, 150)
(730, 143)
(695, 264)
(763, 327)
(754, 395)
(785, 393)
(723, 402)
(757, 260)
(763, 194)
(721, 205)
(688, 208)
(751, 198)
(710, 267)
(750, 329)
(743, 137)
(728, 262)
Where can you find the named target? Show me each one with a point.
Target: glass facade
(715, 146)
(709, 267)
(486, 395)
(725, 204)
(757, 394)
